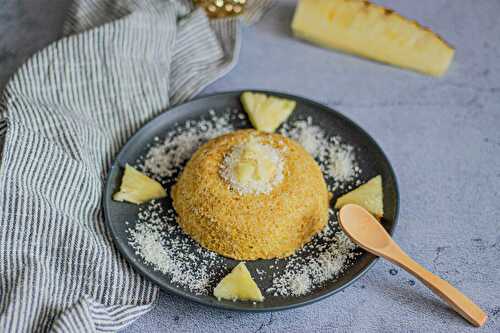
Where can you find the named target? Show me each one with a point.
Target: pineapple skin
(374, 32)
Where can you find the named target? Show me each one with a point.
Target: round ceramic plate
(370, 157)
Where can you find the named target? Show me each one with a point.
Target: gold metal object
(221, 8)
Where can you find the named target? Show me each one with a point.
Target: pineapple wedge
(372, 31)
(266, 113)
(138, 188)
(238, 285)
(369, 195)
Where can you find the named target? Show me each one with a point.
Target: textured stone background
(442, 136)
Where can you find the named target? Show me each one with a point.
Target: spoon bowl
(359, 225)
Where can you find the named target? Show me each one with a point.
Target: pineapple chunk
(369, 195)
(138, 188)
(372, 31)
(238, 285)
(254, 164)
(266, 170)
(244, 172)
(266, 113)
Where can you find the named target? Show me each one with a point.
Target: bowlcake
(251, 195)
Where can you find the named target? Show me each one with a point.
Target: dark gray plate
(370, 156)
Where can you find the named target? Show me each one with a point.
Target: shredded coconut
(341, 163)
(161, 243)
(165, 159)
(311, 137)
(251, 185)
(336, 159)
(157, 238)
(323, 259)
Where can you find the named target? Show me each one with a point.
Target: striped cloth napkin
(65, 115)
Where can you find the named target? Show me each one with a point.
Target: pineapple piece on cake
(238, 285)
(138, 188)
(266, 113)
(369, 196)
(372, 31)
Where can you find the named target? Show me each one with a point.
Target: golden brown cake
(251, 195)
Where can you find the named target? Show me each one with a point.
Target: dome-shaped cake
(251, 195)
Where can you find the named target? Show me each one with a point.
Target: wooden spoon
(368, 233)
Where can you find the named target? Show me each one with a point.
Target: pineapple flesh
(372, 31)
(238, 286)
(254, 165)
(369, 196)
(266, 113)
(138, 188)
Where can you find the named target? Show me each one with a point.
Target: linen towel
(64, 116)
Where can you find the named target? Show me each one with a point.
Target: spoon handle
(454, 298)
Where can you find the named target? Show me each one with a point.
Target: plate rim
(146, 273)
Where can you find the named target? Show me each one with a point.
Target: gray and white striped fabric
(68, 111)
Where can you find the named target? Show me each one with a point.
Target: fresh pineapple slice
(238, 285)
(372, 31)
(369, 195)
(138, 188)
(266, 113)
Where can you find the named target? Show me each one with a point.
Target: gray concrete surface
(442, 136)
